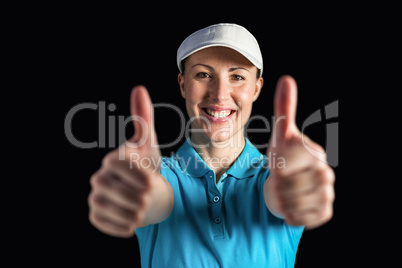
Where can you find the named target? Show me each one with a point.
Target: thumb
(285, 103)
(142, 116)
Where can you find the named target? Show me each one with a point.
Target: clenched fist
(124, 195)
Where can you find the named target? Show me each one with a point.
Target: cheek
(244, 98)
(194, 96)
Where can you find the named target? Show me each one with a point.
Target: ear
(180, 79)
(258, 86)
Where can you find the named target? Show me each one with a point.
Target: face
(219, 86)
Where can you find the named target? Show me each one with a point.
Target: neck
(219, 156)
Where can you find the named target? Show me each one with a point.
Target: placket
(215, 202)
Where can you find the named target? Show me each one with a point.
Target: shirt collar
(246, 165)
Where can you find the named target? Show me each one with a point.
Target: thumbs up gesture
(127, 195)
(301, 191)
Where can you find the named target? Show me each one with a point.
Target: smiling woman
(219, 87)
(218, 200)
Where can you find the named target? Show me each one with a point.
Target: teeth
(219, 114)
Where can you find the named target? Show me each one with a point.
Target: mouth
(218, 114)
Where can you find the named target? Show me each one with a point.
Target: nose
(220, 90)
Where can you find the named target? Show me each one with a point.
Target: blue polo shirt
(224, 224)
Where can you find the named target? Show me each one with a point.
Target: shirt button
(218, 220)
(216, 199)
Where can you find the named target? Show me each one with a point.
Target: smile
(218, 115)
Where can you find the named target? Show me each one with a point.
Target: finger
(132, 171)
(312, 201)
(300, 183)
(311, 209)
(103, 207)
(294, 160)
(311, 219)
(295, 157)
(109, 227)
(142, 114)
(285, 102)
(118, 193)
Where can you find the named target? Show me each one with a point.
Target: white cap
(223, 34)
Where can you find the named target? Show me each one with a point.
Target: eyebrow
(231, 69)
(236, 68)
(209, 67)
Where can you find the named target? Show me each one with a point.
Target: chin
(224, 138)
(220, 137)
(221, 134)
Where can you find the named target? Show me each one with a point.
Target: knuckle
(91, 200)
(94, 180)
(124, 233)
(329, 175)
(110, 227)
(129, 232)
(93, 219)
(139, 216)
(98, 181)
(325, 214)
(329, 195)
(325, 175)
(96, 201)
(109, 160)
(332, 176)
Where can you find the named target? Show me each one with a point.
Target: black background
(90, 54)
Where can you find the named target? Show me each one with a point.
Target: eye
(237, 77)
(203, 75)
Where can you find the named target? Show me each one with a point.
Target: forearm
(271, 201)
(160, 201)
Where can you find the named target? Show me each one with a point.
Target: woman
(217, 202)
